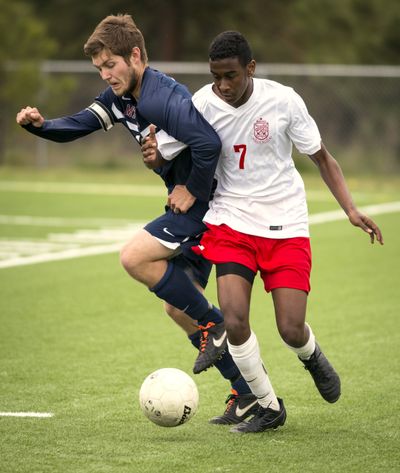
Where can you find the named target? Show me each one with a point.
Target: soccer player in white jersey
(258, 218)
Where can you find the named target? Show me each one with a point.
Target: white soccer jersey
(259, 190)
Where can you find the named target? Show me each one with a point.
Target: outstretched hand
(29, 115)
(368, 225)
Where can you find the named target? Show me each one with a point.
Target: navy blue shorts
(181, 232)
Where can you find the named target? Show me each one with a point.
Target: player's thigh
(285, 267)
(234, 297)
(284, 263)
(234, 293)
(144, 247)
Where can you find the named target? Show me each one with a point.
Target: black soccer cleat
(213, 343)
(325, 377)
(264, 419)
(239, 407)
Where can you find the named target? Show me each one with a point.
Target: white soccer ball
(169, 397)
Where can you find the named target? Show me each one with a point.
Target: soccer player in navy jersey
(258, 217)
(159, 255)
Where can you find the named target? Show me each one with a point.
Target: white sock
(248, 360)
(306, 350)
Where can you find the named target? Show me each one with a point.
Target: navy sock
(176, 288)
(226, 366)
(240, 385)
(213, 315)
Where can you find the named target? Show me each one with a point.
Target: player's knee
(124, 257)
(129, 258)
(236, 323)
(292, 335)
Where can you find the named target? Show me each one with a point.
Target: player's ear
(136, 55)
(251, 67)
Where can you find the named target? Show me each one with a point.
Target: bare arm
(332, 174)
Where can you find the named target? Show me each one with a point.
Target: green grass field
(78, 336)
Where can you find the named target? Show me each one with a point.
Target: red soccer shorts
(282, 262)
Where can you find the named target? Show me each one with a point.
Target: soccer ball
(169, 397)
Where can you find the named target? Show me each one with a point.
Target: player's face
(232, 82)
(123, 78)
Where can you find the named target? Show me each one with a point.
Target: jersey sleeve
(188, 126)
(99, 115)
(67, 128)
(302, 129)
(175, 113)
(168, 146)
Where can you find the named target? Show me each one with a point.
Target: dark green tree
(24, 44)
(295, 31)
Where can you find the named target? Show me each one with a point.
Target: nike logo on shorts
(219, 341)
(241, 412)
(165, 230)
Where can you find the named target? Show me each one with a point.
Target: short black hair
(230, 44)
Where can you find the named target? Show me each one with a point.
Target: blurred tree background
(299, 31)
(280, 31)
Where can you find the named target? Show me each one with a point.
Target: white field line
(122, 189)
(26, 414)
(104, 235)
(326, 196)
(122, 234)
(61, 255)
(59, 222)
(83, 188)
(31, 246)
(66, 245)
(333, 215)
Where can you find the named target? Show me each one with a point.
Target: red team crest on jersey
(130, 111)
(261, 131)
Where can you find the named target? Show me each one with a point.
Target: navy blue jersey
(164, 103)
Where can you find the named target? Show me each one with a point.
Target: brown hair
(119, 34)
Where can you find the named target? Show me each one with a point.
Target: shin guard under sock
(176, 288)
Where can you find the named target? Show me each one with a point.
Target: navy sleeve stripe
(102, 114)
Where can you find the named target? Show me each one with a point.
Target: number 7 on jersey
(242, 150)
